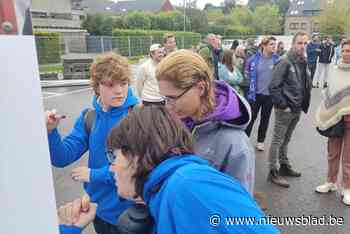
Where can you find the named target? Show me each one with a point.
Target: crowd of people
(183, 138)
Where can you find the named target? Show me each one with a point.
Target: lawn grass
(51, 68)
(58, 68)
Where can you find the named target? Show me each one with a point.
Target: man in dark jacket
(290, 90)
(312, 51)
(325, 58)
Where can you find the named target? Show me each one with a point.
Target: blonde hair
(109, 66)
(184, 69)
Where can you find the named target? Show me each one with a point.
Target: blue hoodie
(312, 51)
(252, 71)
(184, 192)
(101, 188)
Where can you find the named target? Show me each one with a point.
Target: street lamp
(184, 15)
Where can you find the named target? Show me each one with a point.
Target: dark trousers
(312, 68)
(145, 103)
(102, 227)
(263, 102)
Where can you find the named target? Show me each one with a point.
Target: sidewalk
(63, 83)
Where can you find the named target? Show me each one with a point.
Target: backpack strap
(89, 120)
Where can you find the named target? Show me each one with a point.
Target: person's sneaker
(275, 178)
(286, 170)
(326, 187)
(346, 198)
(260, 146)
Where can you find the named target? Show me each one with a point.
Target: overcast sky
(201, 3)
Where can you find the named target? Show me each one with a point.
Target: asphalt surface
(307, 153)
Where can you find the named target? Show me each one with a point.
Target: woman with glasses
(212, 110)
(152, 157)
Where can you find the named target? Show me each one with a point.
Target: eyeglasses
(110, 156)
(171, 100)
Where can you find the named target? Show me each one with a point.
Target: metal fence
(52, 50)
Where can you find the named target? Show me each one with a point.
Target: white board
(26, 185)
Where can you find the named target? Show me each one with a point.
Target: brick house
(301, 16)
(142, 5)
(109, 6)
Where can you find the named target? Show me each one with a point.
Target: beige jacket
(146, 84)
(336, 103)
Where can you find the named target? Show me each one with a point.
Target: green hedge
(48, 47)
(141, 40)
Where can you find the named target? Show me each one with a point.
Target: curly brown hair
(109, 66)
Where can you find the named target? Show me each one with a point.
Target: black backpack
(89, 120)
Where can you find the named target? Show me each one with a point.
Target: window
(293, 25)
(303, 26)
(316, 27)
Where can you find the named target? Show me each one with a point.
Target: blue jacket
(185, 194)
(312, 51)
(234, 79)
(252, 72)
(64, 229)
(101, 188)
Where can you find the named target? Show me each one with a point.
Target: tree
(255, 3)
(94, 24)
(107, 26)
(172, 21)
(283, 6)
(242, 16)
(198, 20)
(138, 20)
(228, 6)
(208, 6)
(267, 20)
(119, 22)
(334, 20)
(214, 14)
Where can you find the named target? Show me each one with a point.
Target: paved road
(307, 152)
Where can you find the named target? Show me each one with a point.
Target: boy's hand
(52, 119)
(81, 174)
(79, 213)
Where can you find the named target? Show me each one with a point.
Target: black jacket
(291, 83)
(327, 53)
